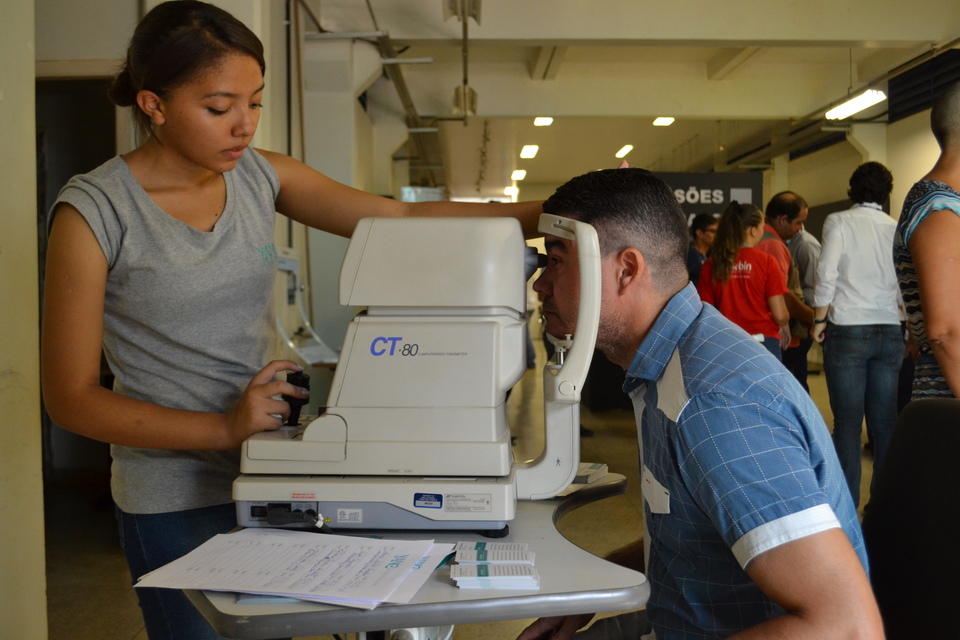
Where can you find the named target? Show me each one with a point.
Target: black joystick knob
(298, 379)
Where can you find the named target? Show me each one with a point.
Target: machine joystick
(298, 379)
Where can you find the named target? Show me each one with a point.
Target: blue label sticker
(428, 500)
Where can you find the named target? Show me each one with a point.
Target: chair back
(911, 525)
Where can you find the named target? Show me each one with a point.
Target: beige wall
(822, 177)
(23, 605)
(911, 153)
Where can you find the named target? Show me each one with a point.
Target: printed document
(343, 570)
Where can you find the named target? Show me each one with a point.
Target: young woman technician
(744, 283)
(164, 259)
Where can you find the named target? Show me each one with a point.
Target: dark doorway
(76, 132)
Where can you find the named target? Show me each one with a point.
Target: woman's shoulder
(925, 197)
(255, 168)
(930, 195)
(100, 190)
(753, 253)
(111, 172)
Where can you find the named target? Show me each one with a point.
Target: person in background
(805, 254)
(703, 230)
(857, 318)
(785, 214)
(926, 252)
(164, 259)
(746, 284)
(749, 527)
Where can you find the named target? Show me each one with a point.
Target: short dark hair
(700, 223)
(630, 207)
(870, 182)
(173, 44)
(785, 203)
(945, 116)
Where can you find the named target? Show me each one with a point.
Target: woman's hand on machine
(260, 408)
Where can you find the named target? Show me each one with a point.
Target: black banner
(713, 192)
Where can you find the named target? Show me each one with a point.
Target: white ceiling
(735, 74)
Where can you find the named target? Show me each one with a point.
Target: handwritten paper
(343, 570)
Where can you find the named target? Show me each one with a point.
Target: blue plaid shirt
(736, 460)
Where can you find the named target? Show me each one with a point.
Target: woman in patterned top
(926, 251)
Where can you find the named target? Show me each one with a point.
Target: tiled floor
(88, 586)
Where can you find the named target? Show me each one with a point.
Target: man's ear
(630, 265)
(151, 104)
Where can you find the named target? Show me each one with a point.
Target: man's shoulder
(717, 356)
(771, 242)
(809, 241)
(732, 380)
(778, 249)
(694, 257)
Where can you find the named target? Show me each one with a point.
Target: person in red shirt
(745, 284)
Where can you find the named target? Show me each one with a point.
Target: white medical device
(415, 433)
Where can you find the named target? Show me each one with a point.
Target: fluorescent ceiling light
(624, 150)
(529, 151)
(663, 121)
(866, 99)
(513, 192)
(542, 121)
(518, 174)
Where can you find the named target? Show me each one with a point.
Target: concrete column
(337, 142)
(870, 139)
(389, 134)
(780, 174)
(23, 607)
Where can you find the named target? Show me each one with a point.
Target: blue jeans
(795, 360)
(152, 540)
(862, 365)
(773, 346)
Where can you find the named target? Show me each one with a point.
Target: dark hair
(870, 182)
(785, 203)
(731, 233)
(700, 223)
(173, 44)
(945, 116)
(630, 208)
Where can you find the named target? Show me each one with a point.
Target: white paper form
(351, 571)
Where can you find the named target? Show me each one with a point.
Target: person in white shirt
(857, 318)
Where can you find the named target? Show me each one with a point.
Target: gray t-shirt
(188, 317)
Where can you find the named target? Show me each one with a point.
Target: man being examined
(750, 529)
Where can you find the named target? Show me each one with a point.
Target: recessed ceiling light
(529, 151)
(866, 99)
(542, 121)
(624, 150)
(663, 121)
(513, 192)
(518, 174)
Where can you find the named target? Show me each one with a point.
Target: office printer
(415, 434)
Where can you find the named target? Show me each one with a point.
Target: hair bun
(121, 91)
